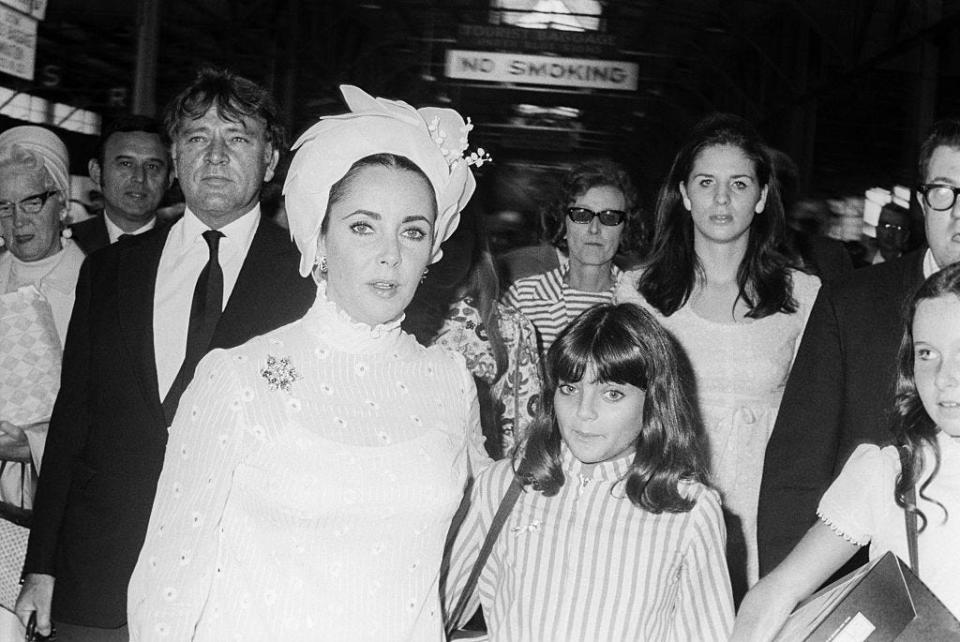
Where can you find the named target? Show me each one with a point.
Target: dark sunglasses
(607, 217)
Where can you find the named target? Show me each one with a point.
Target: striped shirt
(586, 564)
(551, 304)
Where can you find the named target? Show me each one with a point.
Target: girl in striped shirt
(616, 536)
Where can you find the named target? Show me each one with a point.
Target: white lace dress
(309, 481)
(741, 370)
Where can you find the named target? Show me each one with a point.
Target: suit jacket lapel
(913, 278)
(101, 236)
(239, 320)
(138, 264)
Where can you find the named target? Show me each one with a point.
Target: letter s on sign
(51, 76)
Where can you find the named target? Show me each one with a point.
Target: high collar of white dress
(334, 326)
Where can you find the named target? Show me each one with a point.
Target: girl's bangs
(614, 353)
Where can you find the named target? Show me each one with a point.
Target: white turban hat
(433, 138)
(48, 146)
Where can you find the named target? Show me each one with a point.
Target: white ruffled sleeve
(853, 504)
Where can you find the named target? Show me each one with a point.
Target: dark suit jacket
(827, 258)
(108, 433)
(840, 394)
(91, 234)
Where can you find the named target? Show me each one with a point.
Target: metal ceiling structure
(843, 86)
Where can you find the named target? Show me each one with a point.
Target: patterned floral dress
(518, 389)
(309, 482)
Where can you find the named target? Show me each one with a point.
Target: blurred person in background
(845, 224)
(721, 279)
(592, 217)
(499, 345)
(893, 233)
(825, 257)
(841, 391)
(132, 171)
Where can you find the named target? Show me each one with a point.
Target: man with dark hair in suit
(132, 171)
(146, 311)
(841, 389)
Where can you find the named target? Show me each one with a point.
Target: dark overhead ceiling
(843, 86)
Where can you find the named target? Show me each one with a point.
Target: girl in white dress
(866, 503)
(720, 279)
(311, 474)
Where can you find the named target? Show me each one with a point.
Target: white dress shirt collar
(237, 236)
(929, 264)
(184, 256)
(114, 231)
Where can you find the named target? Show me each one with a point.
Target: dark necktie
(207, 303)
(125, 236)
(204, 314)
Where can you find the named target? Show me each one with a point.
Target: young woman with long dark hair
(719, 277)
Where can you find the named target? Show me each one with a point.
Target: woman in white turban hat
(334, 451)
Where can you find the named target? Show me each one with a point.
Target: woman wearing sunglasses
(593, 215)
(719, 278)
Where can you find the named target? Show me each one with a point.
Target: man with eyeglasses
(892, 233)
(841, 389)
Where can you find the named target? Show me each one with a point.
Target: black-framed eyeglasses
(939, 197)
(30, 205)
(583, 216)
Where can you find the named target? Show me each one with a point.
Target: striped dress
(586, 564)
(551, 304)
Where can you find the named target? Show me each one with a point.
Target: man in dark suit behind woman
(841, 389)
(132, 347)
(132, 171)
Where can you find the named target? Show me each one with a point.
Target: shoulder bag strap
(516, 380)
(506, 505)
(910, 514)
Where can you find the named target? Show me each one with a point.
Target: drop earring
(423, 277)
(65, 231)
(322, 265)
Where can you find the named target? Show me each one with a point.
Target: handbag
(13, 549)
(503, 511)
(14, 533)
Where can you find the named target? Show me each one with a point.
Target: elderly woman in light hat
(311, 474)
(38, 274)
